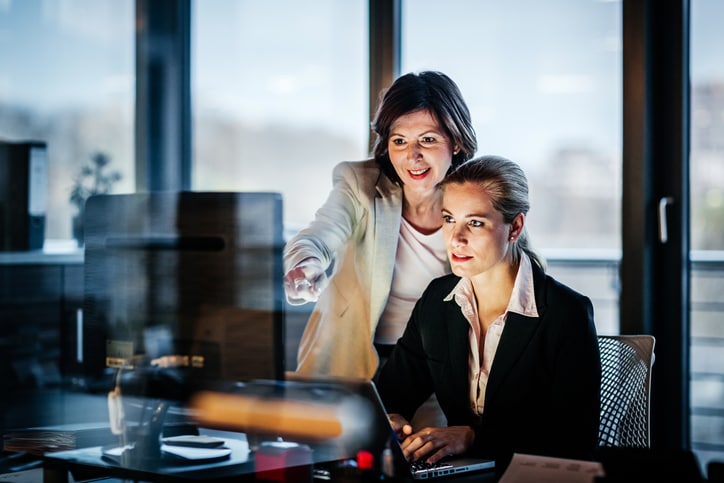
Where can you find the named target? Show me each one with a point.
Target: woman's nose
(415, 151)
(457, 236)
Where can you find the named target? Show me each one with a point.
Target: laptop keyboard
(422, 465)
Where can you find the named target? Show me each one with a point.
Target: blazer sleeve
(404, 381)
(337, 219)
(576, 386)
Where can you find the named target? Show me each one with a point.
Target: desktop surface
(238, 468)
(281, 420)
(92, 461)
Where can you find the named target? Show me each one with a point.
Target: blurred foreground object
(289, 419)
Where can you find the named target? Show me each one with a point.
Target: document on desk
(197, 454)
(524, 468)
(188, 453)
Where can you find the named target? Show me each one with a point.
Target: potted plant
(94, 177)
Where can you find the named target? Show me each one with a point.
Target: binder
(23, 195)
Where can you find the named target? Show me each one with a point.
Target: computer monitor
(187, 280)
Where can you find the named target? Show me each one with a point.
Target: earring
(512, 238)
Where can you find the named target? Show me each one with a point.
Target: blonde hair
(506, 184)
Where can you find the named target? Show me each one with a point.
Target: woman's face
(420, 151)
(477, 238)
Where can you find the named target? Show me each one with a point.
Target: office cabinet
(39, 301)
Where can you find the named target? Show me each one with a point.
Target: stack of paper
(39, 440)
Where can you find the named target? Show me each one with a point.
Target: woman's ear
(516, 226)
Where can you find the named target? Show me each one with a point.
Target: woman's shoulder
(431, 306)
(559, 289)
(552, 287)
(367, 166)
(442, 286)
(561, 298)
(366, 175)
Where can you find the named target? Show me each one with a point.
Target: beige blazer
(356, 230)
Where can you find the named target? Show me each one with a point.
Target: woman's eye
(476, 223)
(428, 140)
(398, 142)
(447, 219)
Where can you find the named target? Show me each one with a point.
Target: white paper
(190, 453)
(524, 468)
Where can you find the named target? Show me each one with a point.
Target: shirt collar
(522, 299)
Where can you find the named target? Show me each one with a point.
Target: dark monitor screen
(186, 279)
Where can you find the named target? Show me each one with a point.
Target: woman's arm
(404, 381)
(308, 255)
(334, 222)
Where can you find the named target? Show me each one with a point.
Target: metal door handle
(663, 225)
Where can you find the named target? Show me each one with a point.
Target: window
(279, 94)
(706, 180)
(543, 83)
(67, 79)
(707, 126)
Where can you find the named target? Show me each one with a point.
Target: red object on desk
(283, 462)
(365, 460)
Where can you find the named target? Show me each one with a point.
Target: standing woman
(376, 242)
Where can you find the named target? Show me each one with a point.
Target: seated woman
(511, 353)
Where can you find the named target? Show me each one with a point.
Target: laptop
(452, 465)
(371, 420)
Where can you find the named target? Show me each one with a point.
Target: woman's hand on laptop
(400, 426)
(434, 444)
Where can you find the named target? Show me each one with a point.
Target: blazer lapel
(518, 331)
(516, 335)
(387, 218)
(458, 329)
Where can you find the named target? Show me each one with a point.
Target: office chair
(626, 362)
(715, 471)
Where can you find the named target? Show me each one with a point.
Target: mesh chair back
(626, 362)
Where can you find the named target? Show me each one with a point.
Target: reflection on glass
(184, 280)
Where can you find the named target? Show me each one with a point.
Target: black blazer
(543, 393)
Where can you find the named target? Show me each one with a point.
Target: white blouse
(420, 258)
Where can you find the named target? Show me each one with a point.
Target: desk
(338, 401)
(238, 468)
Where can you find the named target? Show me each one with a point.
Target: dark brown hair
(431, 91)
